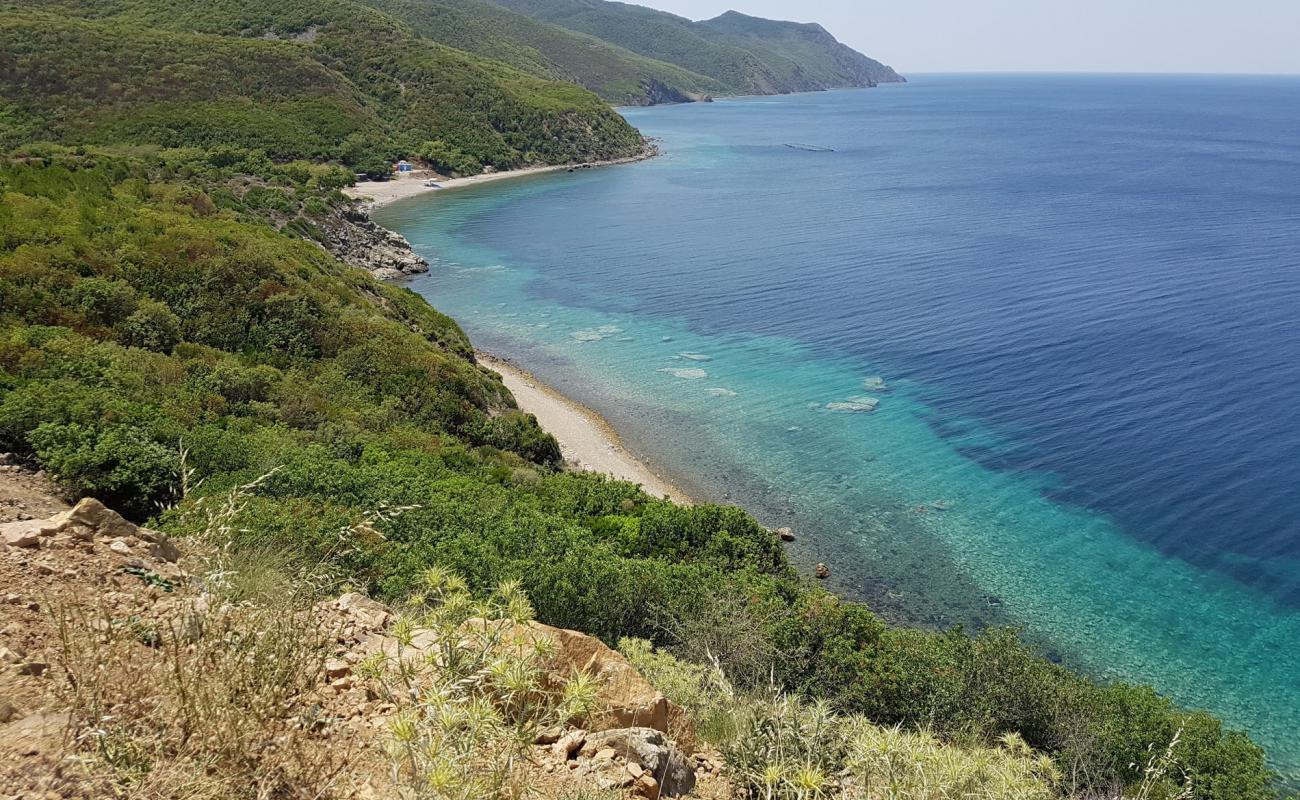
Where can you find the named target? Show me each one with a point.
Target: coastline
(587, 440)
(376, 194)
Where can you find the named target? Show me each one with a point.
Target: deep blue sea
(1074, 300)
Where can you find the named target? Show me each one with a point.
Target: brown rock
(548, 735)
(365, 612)
(33, 668)
(822, 572)
(337, 668)
(786, 534)
(34, 734)
(647, 787)
(93, 514)
(7, 712)
(569, 743)
(21, 534)
(627, 698)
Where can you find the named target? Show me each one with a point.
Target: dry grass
(215, 691)
(209, 701)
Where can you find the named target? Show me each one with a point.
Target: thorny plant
(472, 690)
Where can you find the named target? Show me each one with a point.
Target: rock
(822, 572)
(337, 668)
(165, 550)
(647, 787)
(652, 752)
(93, 514)
(627, 699)
(7, 711)
(549, 735)
(33, 668)
(860, 405)
(785, 534)
(34, 734)
(8, 656)
(634, 769)
(365, 612)
(353, 238)
(569, 743)
(25, 533)
(90, 518)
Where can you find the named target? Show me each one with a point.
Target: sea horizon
(942, 431)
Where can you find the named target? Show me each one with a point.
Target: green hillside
(618, 75)
(746, 54)
(317, 79)
(810, 49)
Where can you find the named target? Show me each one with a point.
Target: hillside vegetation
(748, 55)
(316, 79)
(162, 343)
(618, 75)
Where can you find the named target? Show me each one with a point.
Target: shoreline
(587, 440)
(377, 194)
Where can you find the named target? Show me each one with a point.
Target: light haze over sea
(1076, 300)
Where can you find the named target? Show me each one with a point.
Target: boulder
(363, 611)
(87, 519)
(648, 749)
(785, 534)
(627, 699)
(822, 572)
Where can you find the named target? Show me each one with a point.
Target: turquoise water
(1074, 304)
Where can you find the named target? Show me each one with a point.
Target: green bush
(120, 465)
(152, 326)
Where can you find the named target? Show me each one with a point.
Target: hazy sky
(1047, 35)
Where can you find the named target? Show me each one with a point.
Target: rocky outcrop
(626, 698)
(648, 750)
(88, 520)
(353, 238)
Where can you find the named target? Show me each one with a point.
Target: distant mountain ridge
(731, 54)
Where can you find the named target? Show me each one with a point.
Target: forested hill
(747, 55)
(616, 74)
(314, 79)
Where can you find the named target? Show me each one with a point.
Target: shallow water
(1020, 350)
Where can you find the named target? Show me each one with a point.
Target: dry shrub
(209, 702)
(472, 693)
(213, 693)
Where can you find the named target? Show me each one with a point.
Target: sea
(1002, 350)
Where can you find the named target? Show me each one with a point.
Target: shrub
(120, 465)
(152, 326)
(472, 701)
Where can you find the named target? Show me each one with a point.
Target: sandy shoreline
(586, 439)
(375, 194)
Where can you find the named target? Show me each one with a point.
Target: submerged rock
(686, 373)
(859, 405)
